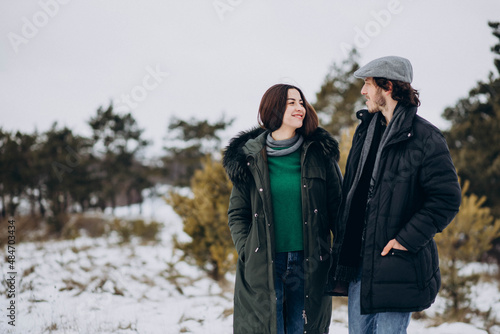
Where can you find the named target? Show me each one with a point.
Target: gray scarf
(393, 127)
(291, 145)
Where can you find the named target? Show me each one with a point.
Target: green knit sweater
(285, 177)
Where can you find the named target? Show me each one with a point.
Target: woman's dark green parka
(252, 229)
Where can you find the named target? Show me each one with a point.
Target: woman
(287, 189)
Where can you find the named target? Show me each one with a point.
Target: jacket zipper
(256, 214)
(303, 157)
(258, 237)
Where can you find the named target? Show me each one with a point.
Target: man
(400, 189)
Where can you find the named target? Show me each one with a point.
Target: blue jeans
(376, 323)
(289, 286)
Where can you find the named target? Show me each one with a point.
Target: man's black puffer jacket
(414, 194)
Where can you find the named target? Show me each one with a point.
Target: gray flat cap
(391, 67)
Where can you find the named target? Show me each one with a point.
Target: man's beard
(378, 102)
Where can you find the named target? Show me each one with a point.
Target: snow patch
(101, 286)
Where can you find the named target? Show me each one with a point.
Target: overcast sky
(60, 60)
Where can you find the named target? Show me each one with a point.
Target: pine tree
(118, 142)
(339, 97)
(345, 145)
(474, 136)
(187, 143)
(15, 168)
(64, 179)
(467, 238)
(205, 219)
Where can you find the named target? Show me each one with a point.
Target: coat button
(261, 189)
(305, 223)
(307, 259)
(304, 185)
(307, 296)
(248, 164)
(409, 135)
(315, 210)
(256, 215)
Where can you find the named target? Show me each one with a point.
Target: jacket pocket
(255, 258)
(312, 172)
(252, 244)
(324, 248)
(323, 237)
(315, 180)
(397, 267)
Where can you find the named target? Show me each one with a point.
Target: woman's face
(295, 112)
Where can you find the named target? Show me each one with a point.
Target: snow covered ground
(99, 286)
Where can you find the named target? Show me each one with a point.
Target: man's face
(375, 100)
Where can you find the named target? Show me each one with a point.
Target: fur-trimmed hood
(248, 143)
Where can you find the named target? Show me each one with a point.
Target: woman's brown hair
(273, 105)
